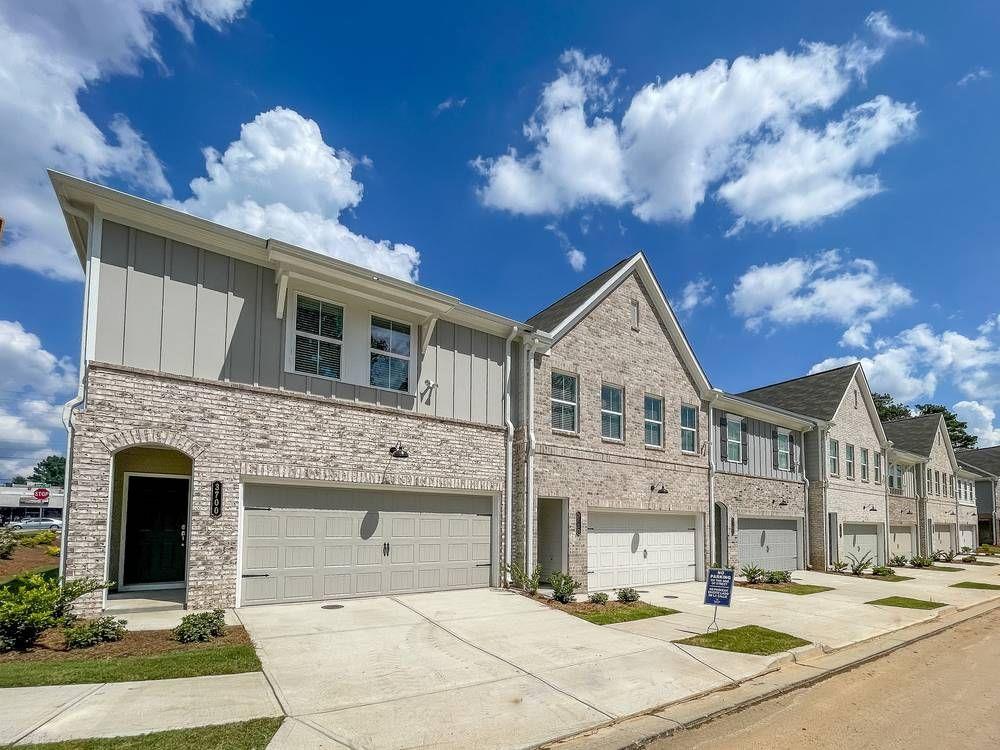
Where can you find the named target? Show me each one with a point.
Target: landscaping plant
(898, 560)
(563, 587)
(920, 561)
(46, 537)
(628, 595)
(8, 543)
(598, 597)
(860, 564)
(752, 573)
(40, 604)
(839, 567)
(777, 576)
(969, 559)
(92, 632)
(201, 626)
(882, 570)
(52, 551)
(966, 549)
(946, 556)
(528, 584)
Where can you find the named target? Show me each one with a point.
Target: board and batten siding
(759, 447)
(169, 307)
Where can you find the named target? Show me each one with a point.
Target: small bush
(598, 597)
(946, 556)
(46, 537)
(860, 564)
(52, 551)
(528, 584)
(752, 573)
(966, 550)
(777, 576)
(201, 626)
(898, 560)
(40, 604)
(8, 543)
(101, 630)
(627, 595)
(920, 561)
(563, 587)
(882, 570)
(839, 567)
(969, 559)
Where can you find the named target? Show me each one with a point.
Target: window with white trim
(734, 438)
(611, 412)
(653, 421)
(878, 467)
(319, 334)
(899, 476)
(389, 358)
(833, 456)
(634, 314)
(892, 476)
(930, 482)
(689, 428)
(937, 483)
(563, 402)
(864, 464)
(849, 460)
(784, 450)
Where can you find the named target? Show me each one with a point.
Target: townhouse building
(984, 463)
(847, 505)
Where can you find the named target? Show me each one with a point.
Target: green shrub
(920, 561)
(946, 556)
(969, 558)
(46, 537)
(201, 626)
(882, 570)
(52, 551)
(598, 597)
(860, 564)
(528, 584)
(966, 549)
(8, 543)
(627, 595)
(777, 576)
(752, 573)
(839, 567)
(563, 587)
(898, 560)
(92, 632)
(39, 604)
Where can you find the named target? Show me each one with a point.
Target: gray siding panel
(210, 322)
(242, 322)
(270, 346)
(144, 302)
(445, 370)
(463, 372)
(479, 375)
(427, 396)
(110, 343)
(494, 380)
(179, 295)
(759, 448)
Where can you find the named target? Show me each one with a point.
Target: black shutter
(774, 449)
(743, 431)
(723, 438)
(791, 452)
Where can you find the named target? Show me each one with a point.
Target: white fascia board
(866, 391)
(943, 429)
(765, 413)
(897, 455)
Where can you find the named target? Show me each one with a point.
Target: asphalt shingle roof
(915, 434)
(550, 318)
(816, 395)
(987, 459)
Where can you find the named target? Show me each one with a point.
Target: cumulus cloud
(737, 130)
(981, 420)
(281, 179)
(824, 287)
(696, 293)
(51, 54)
(576, 258)
(978, 74)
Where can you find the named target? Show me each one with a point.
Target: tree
(50, 470)
(19, 479)
(889, 410)
(958, 430)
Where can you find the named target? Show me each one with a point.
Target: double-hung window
(390, 354)
(892, 476)
(563, 402)
(784, 448)
(319, 333)
(878, 467)
(734, 438)
(689, 428)
(899, 476)
(653, 421)
(864, 464)
(930, 482)
(834, 457)
(849, 460)
(611, 412)
(937, 483)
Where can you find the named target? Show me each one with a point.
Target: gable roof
(914, 434)
(559, 318)
(985, 459)
(818, 395)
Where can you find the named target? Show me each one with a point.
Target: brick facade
(756, 497)
(232, 431)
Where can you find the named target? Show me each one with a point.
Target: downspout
(508, 461)
(805, 502)
(529, 484)
(824, 479)
(885, 489)
(711, 483)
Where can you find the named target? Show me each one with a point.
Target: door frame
(563, 526)
(122, 586)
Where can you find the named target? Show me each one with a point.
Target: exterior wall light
(660, 489)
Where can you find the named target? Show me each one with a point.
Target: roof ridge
(802, 377)
(915, 416)
(610, 270)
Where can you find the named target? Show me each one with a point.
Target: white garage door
(967, 536)
(771, 544)
(943, 537)
(901, 541)
(305, 543)
(639, 549)
(860, 539)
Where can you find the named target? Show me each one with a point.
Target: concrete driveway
(466, 668)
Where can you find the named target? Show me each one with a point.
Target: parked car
(36, 524)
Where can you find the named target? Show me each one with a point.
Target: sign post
(718, 592)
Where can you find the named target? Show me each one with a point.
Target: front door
(156, 510)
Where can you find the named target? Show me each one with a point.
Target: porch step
(114, 610)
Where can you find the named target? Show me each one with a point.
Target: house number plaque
(216, 498)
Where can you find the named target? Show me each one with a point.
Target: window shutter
(723, 438)
(791, 452)
(774, 449)
(743, 434)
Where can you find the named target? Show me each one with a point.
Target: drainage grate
(332, 606)
(669, 596)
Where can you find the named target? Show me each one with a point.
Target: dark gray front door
(155, 529)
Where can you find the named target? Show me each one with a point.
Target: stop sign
(41, 494)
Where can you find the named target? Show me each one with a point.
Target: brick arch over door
(132, 438)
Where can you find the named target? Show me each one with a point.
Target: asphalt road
(941, 692)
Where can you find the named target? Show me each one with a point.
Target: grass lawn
(906, 603)
(975, 585)
(894, 578)
(982, 562)
(943, 569)
(142, 655)
(748, 639)
(612, 612)
(799, 589)
(26, 560)
(244, 735)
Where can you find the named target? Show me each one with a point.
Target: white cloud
(576, 258)
(734, 127)
(990, 324)
(25, 364)
(52, 53)
(450, 103)
(696, 293)
(981, 419)
(978, 74)
(879, 22)
(280, 179)
(826, 287)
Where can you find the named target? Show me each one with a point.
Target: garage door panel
(262, 558)
(299, 557)
(300, 527)
(639, 549)
(901, 541)
(769, 543)
(298, 587)
(967, 536)
(860, 540)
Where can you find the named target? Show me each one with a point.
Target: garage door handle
(256, 575)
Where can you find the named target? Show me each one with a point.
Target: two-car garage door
(639, 549)
(306, 543)
(769, 543)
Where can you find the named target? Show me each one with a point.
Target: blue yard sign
(718, 591)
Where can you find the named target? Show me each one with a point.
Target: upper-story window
(734, 438)
(563, 402)
(899, 476)
(849, 460)
(653, 421)
(951, 485)
(689, 428)
(878, 467)
(834, 457)
(937, 482)
(611, 412)
(783, 448)
(864, 464)
(319, 333)
(390, 354)
(930, 482)
(633, 310)
(892, 478)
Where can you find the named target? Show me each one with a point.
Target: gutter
(886, 448)
(508, 462)
(711, 485)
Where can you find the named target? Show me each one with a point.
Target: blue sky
(811, 184)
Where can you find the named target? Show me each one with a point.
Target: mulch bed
(584, 607)
(25, 559)
(51, 646)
